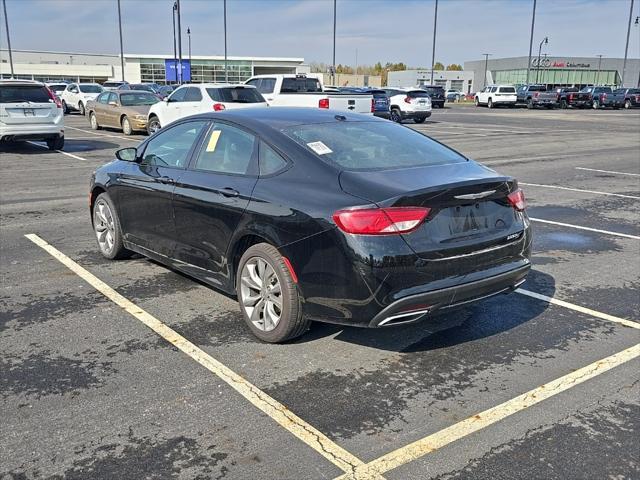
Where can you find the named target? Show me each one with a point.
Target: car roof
(17, 81)
(277, 118)
(216, 85)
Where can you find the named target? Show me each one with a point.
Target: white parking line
(60, 151)
(477, 422)
(608, 171)
(104, 134)
(274, 409)
(578, 308)
(580, 190)
(596, 230)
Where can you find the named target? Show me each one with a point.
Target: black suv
(437, 95)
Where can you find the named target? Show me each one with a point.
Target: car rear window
(23, 93)
(88, 88)
(235, 95)
(417, 94)
(300, 85)
(371, 145)
(507, 90)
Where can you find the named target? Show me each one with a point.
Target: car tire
(93, 120)
(595, 105)
(530, 104)
(275, 324)
(126, 126)
(65, 109)
(476, 101)
(106, 225)
(396, 115)
(55, 143)
(419, 119)
(153, 125)
(490, 103)
(81, 108)
(563, 104)
(627, 104)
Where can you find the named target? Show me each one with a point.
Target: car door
(111, 110)
(171, 109)
(99, 108)
(192, 102)
(72, 95)
(210, 199)
(144, 189)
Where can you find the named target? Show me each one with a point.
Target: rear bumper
(415, 307)
(31, 132)
(417, 114)
(386, 114)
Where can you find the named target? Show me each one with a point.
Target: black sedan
(309, 214)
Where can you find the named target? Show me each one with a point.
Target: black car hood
(387, 185)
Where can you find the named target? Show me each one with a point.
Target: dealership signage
(548, 63)
(171, 71)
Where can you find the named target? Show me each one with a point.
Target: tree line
(377, 69)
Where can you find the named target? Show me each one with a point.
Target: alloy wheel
(261, 294)
(104, 226)
(94, 121)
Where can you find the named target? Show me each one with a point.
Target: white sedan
(200, 98)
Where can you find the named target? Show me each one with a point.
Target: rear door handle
(167, 180)
(229, 192)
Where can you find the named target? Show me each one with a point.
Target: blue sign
(171, 73)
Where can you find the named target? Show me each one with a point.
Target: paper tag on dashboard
(319, 147)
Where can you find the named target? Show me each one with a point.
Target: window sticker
(213, 140)
(320, 148)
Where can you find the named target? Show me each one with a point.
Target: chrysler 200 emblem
(474, 196)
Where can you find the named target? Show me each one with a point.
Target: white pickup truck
(295, 90)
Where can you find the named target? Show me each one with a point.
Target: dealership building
(84, 67)
(554, 71)
(448, 79)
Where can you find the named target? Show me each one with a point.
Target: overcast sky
(381, 30)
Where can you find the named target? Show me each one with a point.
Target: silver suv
(30, 111)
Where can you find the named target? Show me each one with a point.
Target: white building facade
(448, 79)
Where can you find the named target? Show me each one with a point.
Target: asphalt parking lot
(518, 386)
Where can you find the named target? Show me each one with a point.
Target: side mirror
(166, 99)
(129, 154)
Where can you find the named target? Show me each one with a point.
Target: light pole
(486, 61)
(175, 50)
(333, 62)
(544, 41)
(533, 21)
(179, 43)
(6, 24)
(626, 48)
(189, 35)
(121, 49)
(226, 71)
(636, 24)
(598, 74)
(433, 50)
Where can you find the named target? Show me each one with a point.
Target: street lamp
(179, 42)
(189, 35)
(598, 74)
(486, 61)
(626, 48)
(333, 63)
(6, 24)
(544, 41)
(433, 51)
(175, 50)
(533, 21)
(226, 70)
(121, 49)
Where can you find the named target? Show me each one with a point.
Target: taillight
(218, 107)
(603, 96)
(517, 201)
(323, 103)
(536, 94)
(373, 105)
(407, 100)
(570, 96)
(53, 97)
(380, 221)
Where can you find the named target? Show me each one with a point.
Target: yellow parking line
(274, 409)
(484, 419)
(578, 308)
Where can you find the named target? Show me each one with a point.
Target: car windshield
(23, 93)
(235, 95)
(90, 88)
(371, 145)
(586, 90)
(139, 98)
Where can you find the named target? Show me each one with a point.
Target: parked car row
(533, 96)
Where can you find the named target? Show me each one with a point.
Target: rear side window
(227, 150)
(371, 145)
(193, 95)
(494, 89)
(300, 85)
(235, 95)
(270, 161)
(23, 93)
(178, 95)
(507, 90)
